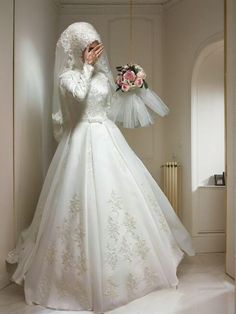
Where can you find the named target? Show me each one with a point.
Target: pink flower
(141, 74)
(129, 75)
(125, 87)
(138, 82)
(119, 80)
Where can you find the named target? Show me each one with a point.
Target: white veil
(70, 45)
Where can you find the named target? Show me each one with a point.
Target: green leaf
(145, 84)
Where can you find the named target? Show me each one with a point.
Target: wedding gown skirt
(103, 232)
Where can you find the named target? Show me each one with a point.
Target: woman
(103, 232)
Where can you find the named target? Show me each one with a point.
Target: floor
(204, 288)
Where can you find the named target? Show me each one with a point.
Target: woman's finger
(97, 47)
(99, 50)
(98, 55)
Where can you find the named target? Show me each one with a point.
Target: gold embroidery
(72, 231)
(150, 277)
(71, 261)
(111, 257)
(141, 247)
(116, 202)
(125, 244)
(51, 254)
(75, 205)
(110, 289)
(113, 228)
(68, 260)
(73, 224)
(131, 284)
(129, 223)
(126, 250)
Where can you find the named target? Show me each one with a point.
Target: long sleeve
(77, 82)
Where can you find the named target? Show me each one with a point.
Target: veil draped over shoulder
(129, 109)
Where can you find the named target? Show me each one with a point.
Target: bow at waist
(98, 119)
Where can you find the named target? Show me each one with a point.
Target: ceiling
(97, 2)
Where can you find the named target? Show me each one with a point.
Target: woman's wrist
(89, 64)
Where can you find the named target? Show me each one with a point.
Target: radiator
(172, 188)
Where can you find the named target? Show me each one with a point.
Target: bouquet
(136, 104)
(130, 76)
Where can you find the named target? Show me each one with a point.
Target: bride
(103, 232)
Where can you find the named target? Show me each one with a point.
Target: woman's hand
(91, 54)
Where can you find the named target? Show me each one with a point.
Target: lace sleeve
(77, 83)
(57, 122)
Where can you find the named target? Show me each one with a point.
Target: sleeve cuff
(88, 67)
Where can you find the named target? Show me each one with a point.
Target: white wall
(189, 25)
(35, 34)
(6, 135)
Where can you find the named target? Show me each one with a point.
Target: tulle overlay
(132, 109)
(103, 232)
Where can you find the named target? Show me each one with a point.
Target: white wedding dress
(103, 232)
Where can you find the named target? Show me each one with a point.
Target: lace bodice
(97, 96)
(86, 94)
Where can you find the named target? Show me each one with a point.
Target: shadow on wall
(29, 124)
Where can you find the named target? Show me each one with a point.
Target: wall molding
(109, 9)
(114, 2)
(211, 243)
(163, 3)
